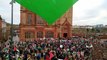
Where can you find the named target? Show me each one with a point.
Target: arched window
(49, 34)
(29, 35)
(39, 20)
(29, 18)
(40, 34)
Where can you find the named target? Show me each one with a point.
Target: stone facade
(33, 27)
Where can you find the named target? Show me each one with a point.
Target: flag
(51, 55)
(48, 10)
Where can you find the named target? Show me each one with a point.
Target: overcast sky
(85, 12)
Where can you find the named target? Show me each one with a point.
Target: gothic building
(33, 26)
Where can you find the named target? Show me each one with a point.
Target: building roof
(66, 22)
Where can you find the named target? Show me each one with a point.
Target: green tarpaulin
(49, 10)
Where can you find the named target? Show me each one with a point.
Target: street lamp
(11, 30)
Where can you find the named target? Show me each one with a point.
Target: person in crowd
(68, 49)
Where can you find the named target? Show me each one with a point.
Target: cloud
(5, 11)
(90, 12)
(85, 12)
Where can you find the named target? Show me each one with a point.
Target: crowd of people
(57, 49)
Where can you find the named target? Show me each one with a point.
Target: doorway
(65, 35)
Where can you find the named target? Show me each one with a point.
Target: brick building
(33, 27)
(0, 28)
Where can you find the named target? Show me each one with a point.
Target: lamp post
(11, 30)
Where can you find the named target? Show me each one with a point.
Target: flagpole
(11, 22)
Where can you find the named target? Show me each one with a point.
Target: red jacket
(47, 58)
